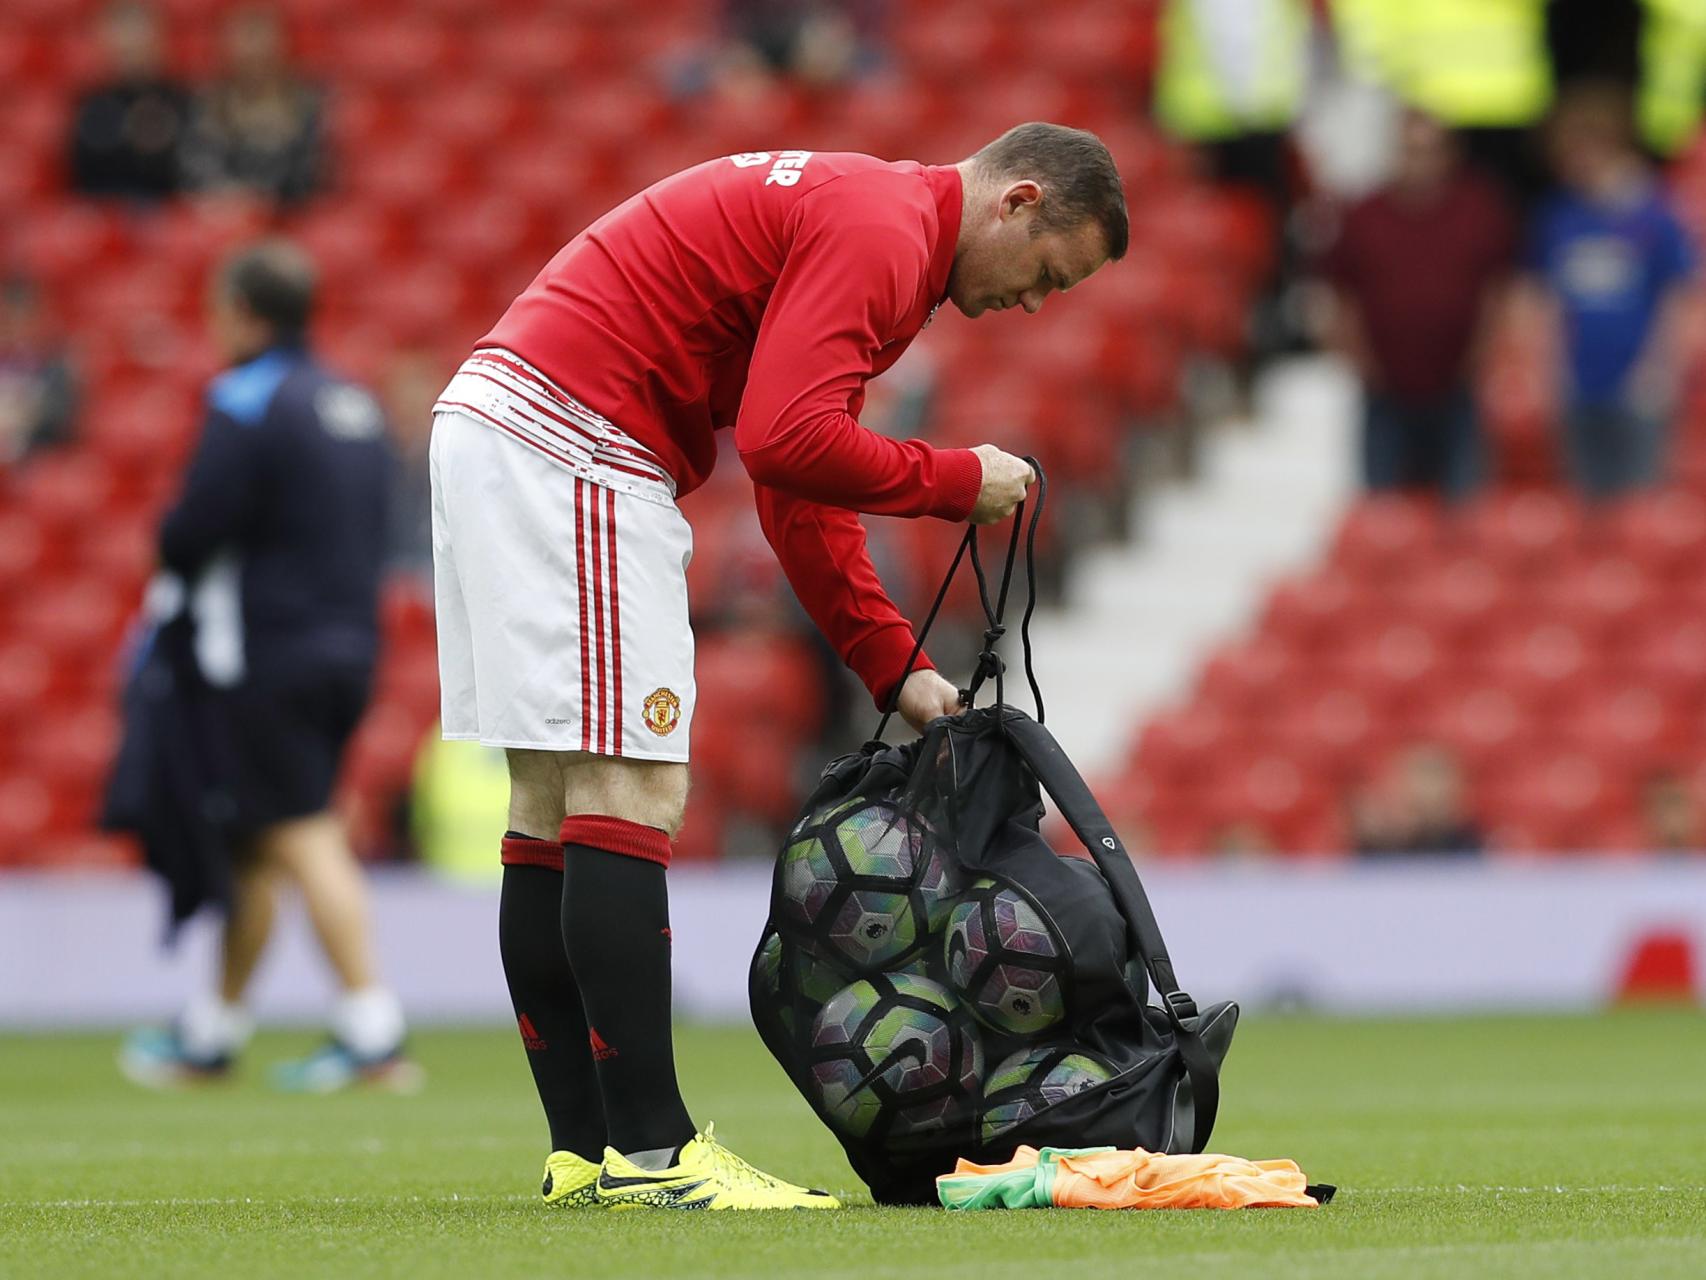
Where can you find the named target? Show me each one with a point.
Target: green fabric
(1471, 63)
(1031, 1188)
(1673, 73)
(1192, 101)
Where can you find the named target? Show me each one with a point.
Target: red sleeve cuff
(960, 481)
(880, 657)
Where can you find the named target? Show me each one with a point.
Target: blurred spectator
(38, 391)
(1418, 806)
(817, 43)
(1669, 817)
(126, 132)
(1613, 258)
(258, 129)
(412, 382)
(1415, 272)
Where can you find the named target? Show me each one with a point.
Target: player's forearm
(822, 551)
(833, 460)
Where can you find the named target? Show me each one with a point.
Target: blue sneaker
(155, 1058)
(333, 1066)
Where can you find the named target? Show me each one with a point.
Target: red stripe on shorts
(580, 569)
(615, 627)
(596, 532)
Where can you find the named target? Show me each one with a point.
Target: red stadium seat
(26, 813)
(1309, 612)
(1483, 723)
(1250, 677)
(1178, 748)
(66, 492)
(1525, 528)
(1632, 723)
(1459, 598)
(1666, 532)
(1336, 731)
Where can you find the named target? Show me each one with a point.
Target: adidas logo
(600, 1050)
(530, 1037)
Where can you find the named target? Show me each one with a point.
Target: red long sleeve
(853, 273)
(822, 551)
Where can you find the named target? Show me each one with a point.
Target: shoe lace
(733, 1168)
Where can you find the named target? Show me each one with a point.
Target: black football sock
(547, 1002)
(616, 932)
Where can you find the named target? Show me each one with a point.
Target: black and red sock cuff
(525, 851)
(616, 835)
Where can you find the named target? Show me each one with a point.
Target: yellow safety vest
(1471, 63)
(459, 808)
(1673, 73)
(1192, 97)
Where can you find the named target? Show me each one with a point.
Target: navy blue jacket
(291, 478)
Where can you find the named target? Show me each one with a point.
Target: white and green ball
(864, 882)
(1035, 1079)
(1004, 960)
(896, 1054)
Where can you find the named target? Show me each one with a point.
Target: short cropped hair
(273, 281)
(1077, 175)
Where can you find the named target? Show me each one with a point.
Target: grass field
(1550, 1147)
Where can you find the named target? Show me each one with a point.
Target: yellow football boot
(570, 1182)
(707, 1175)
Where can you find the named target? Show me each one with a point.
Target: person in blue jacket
(1615, 260)
(277, 544)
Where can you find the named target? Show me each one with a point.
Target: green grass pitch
(1508, 1147)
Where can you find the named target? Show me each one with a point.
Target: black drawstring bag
(938, 982)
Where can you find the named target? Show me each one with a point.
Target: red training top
(761, 291)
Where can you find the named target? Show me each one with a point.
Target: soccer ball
(860, 881)
(1036, 1078)
(896, 1054)
(1004, 960)
(792, 982)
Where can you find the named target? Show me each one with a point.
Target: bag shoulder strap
(1066, 786)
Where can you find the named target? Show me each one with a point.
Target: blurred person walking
(758, 292)
(1416, 273)
(1613, 261)
(245, 700)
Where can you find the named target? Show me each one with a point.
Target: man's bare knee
(536, 790)
(295, 844)
(651, 793)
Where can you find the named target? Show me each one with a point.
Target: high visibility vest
(460, 807)
(1470, 63)
(1673, 73)
(1206, 93)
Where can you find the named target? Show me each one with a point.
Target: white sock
(368, 1022)
(211, 1028)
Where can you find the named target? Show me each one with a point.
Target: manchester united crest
(661, 711)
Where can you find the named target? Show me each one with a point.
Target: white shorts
(559, 568)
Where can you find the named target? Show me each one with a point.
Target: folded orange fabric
(1105, 1178)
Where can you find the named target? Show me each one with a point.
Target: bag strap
(1066, 786)
(988, 661)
